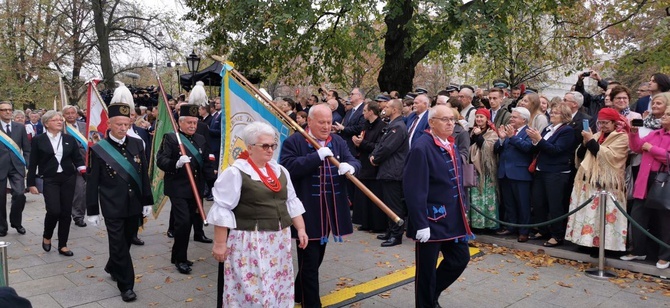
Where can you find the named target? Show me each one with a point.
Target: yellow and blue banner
(240, 106)
(71, 130)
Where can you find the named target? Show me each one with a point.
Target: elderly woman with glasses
(254, 206)
(601, 159)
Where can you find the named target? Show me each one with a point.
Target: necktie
(8, 130)
(413, 126)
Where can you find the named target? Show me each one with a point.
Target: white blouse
(228, 186)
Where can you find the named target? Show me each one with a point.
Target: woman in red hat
(484, 197)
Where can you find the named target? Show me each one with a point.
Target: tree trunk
(397, 72)
(103, 44)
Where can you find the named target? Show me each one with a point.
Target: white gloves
(94, 220)
(183, 160)
(423, 235)
(324, 152)
(146, 210)
(344, 168)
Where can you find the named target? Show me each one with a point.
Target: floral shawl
(607, 169)
(484, 160)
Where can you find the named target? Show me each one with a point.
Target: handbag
(533, 165)
(470, 176)
(658, 195)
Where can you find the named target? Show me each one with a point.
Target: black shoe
(384, 237)
(19, 229)
(80, 223)
(189, 263)
(169, 234)
(137, 241)
(3, 233)
(183, 267)
(209, 198)
(550, 244)
(68, 253)
(128, 296)
(393, 241)
(45, 246)
(202, 239)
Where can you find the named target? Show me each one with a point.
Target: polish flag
(96, 114)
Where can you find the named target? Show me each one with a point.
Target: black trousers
(429, 282)
(516, 198)
(17, 183)
(307, 280)
(120, 265)
(366, 213)
(58, 195)
(548, 188)
(198, 230)
(184, 212)
(392, 195)
(661, 221)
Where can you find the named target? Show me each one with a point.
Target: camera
(637, 122)
(586, 74)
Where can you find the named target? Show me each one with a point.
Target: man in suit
(574, 100)
(205, 117)
(433, 189)
(514, 148)
(12, 168)
(353, 122)
(417, 121)
(215, 132)
(78, 130)
(119, 181)
(177, 185)
(643, 103)
(499, 114)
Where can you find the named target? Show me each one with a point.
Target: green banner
(163, 125)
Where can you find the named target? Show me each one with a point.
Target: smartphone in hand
(585, 124)
(637, 122)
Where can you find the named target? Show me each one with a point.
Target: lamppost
(192, 62)
(175, 65)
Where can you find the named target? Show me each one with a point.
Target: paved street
(498, 278)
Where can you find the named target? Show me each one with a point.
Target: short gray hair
(256, 129)
(69, 107)
(525, 114)
(579, 98)
(316, 107)
(50, 115)
(17, 112)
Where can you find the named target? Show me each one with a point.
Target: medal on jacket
(270, 180)
(137, 159)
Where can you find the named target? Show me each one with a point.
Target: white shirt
(471, 117)
(119, 141)
(552, 129)
(4, 126)
(57, 144)
(228, 186)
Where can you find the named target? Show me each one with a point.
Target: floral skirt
(259, 269)
(486, 202)
(584, 226)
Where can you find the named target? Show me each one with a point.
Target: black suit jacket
(116, 196)
(42, 157)
(8, 159)
(176, 180)
(353, 126)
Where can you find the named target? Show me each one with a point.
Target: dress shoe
(45, 246)
(552, 242)
(128, 296)
(169, 234)
(209, 198)
(632, 257)
(189, 263)
(3, 233)
(137, 241)
(384, 237)
(537, 236)
(504, 232)
(392, 242)
(67, 253)
(80, 223)
(183, 267)
(202, 239)
(19, 229)
(522, 238)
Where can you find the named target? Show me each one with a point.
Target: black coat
(373, 132)
(177, 183)
(391, 151)
(116, 196)
(42, 157)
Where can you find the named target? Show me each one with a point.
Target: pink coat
(651, 160)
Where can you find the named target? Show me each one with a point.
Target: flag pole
(189, 172)
(378, 202)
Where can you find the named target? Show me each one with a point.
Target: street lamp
(175, 65)
(192, 62)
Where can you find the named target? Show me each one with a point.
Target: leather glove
(94, 220)
(183, 160)
(324, 152)
(423, 235)
(146, 210)
(345, 167)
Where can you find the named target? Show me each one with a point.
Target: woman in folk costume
(602, 161)
(254, 206)
(485, 196)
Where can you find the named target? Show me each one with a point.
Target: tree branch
(601, 30)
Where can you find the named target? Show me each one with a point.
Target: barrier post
(4, 270)
(600, 272)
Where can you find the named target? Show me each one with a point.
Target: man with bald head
(417, 121)
(433, 189)
(333, 104)
(320, 186)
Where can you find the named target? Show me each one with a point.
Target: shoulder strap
(12, 146)
(77, 135)
(191, 148)
(118, 162)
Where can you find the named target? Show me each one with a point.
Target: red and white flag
(96, 114)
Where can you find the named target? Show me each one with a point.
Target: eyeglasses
(266, 146)
(6, 109)
(446, 120)
(567, 100)
(601, 123)
(621, 98)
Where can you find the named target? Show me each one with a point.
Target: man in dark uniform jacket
(12, 169)
(177, 185)
(119, 179)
